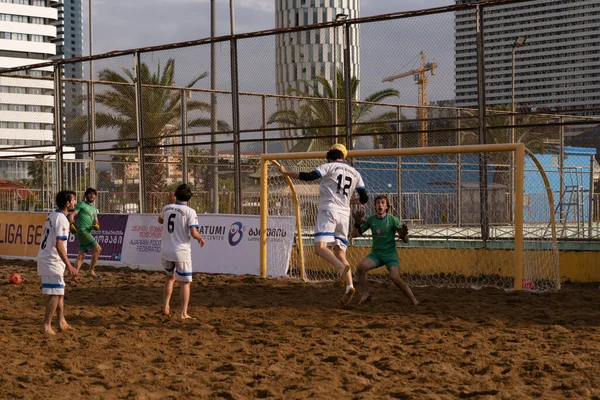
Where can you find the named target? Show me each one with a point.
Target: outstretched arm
(303, 176)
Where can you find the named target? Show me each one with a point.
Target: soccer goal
(478, 216)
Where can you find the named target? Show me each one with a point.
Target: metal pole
(58, 124)
(235, 110)
(265, 148)
(519, 187)
(140, 131)
(591, 199)
(348, 87)
(184, 149)
(213, 114)
(511, 193)
(335, 95)
(92, 104)
(561, 167)
(231, 17)
(483, 175)
(458, 174)
(399, 161)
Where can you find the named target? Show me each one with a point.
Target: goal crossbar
(517, 148)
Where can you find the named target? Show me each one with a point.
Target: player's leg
(51, 306)
(324, 234)
(169, 267)
(346, 275)
(54, 287)
(400, 284)
(183, 273)
(96, 250)
(80, 257)
(341, 244)
(60, 312)
(368, 263)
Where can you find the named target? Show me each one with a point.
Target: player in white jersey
(180, 226)
(52, 259)
(338, 182)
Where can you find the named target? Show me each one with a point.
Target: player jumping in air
(384, 227)
(86, 221)
(338, 182)
(52, 260)
(180, 226)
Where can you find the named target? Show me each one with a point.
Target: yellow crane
(420, 76)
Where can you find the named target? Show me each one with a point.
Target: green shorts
(86, 241)
(387, 259)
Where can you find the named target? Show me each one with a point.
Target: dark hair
(63, 196)
(90, 190)
(183, 193)
(335, 154)
(387, 201)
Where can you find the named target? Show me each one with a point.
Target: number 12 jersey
(339, 181)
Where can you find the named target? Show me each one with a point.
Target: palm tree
(161, 108)
(314, 116)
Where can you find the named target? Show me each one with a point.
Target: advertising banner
(142, 241)
(232, 244)
(110, 237)
(21, 233)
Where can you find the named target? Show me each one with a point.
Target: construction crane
(420, 76)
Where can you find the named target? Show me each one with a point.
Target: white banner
(231, 243)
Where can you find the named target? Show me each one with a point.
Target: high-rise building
(301, 56)
(558, 67)
(26, 105)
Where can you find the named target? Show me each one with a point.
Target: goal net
(478, 216)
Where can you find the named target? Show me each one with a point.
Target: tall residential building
(300, 56)
(558, 68)
(26, 105)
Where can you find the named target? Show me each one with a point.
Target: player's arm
(363, 196)
(161, 217)
(96, 225)
(196, 235)
(62, 253)
(303, 176)
(402, 230)
(71, 216)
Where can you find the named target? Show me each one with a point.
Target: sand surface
(256, 338)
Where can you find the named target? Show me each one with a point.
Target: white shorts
(182, 270)
(332, 226)
(53, 285)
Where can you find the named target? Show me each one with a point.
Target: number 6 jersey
(339, 181)
(48, 260)
(178, 219)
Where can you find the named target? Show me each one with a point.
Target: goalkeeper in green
(86, 221)
(384, 227)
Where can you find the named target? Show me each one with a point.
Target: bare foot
(167, 310)
(415, 302)
(92, 273)
(47, 330)
(65, 327)
(186, 316)
(347, 297)
(366, 298)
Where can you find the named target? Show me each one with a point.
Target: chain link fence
(145, 120)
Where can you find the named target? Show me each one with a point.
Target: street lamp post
(519, 42)
(338, 18)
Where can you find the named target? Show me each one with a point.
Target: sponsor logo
(235, 233)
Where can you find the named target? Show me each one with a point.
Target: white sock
(348, 287)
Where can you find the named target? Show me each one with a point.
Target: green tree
(161, 108)
(315, 114)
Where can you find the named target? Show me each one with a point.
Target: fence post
(347, 86)
(561, 167)
(235, 110)
(92, 128)
(140, 130)
(58, 125)
(458, 173)
(591, 199)
(184, 149)
(481, 97)
(399, 161)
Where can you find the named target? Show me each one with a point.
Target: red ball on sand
(15, 279)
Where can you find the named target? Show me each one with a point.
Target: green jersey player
(384, 227)
(86, 221)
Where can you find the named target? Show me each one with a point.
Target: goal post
(305, 211)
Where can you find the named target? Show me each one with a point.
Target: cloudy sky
(128, 24)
